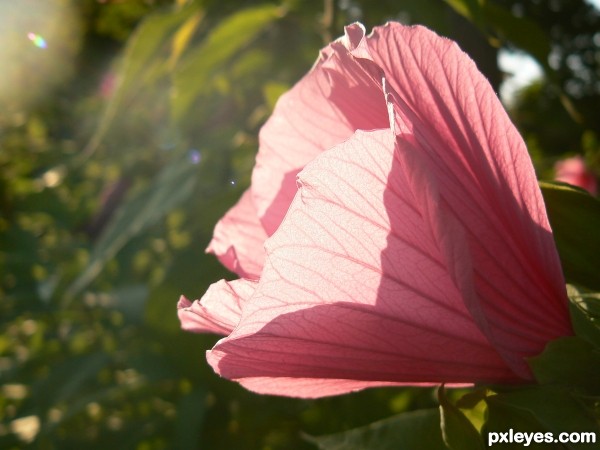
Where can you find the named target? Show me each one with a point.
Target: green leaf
(555, 409)
(585, 314)
(458, 432)
(173, 185)
(148, 41)
(571, 362)
(575, 219)
(502, 418)
(520, 31)
(183, 36)
(470, 9)
(221, 45)
(471, 399)
(416, 430)
(496, 21)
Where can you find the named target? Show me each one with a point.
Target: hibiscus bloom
(394, 232)
(574, 171)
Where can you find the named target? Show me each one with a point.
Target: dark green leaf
(575, 219)
(458, 432)
(555, 409)
(520, 31)
(471, 9)
(416, 430)
(585, 314)
(502, 418)
(491, 18)
(571, 362)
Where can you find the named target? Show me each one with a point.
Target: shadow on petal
(357, 284)
(346, 341)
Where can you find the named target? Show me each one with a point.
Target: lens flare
(37, 40)
(194, 156)
(41, 40)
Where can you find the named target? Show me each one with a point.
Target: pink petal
(360, 284)
(314, 388)
(219, 310)
(338, 96)
(487, 180)
(238, 239)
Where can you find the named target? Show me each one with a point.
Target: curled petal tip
(183, 302)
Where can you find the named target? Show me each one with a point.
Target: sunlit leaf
(183, 36)
(221, 45)
(458, 432)
(145, 44)
(471, 399)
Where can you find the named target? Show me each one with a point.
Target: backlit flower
(574, 171)
(394, 232)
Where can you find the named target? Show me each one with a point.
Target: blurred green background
(127, 128)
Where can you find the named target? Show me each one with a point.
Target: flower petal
(487, 180)
(356, 285)
(338, 96)
(219, 310)
(314, 388)
(238, 239)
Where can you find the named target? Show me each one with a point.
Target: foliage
(128, 136)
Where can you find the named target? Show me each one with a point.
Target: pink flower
(415, 247)
(573, 171)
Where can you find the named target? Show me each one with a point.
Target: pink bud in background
(394, 232)
(574, 171)
(108, 84)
